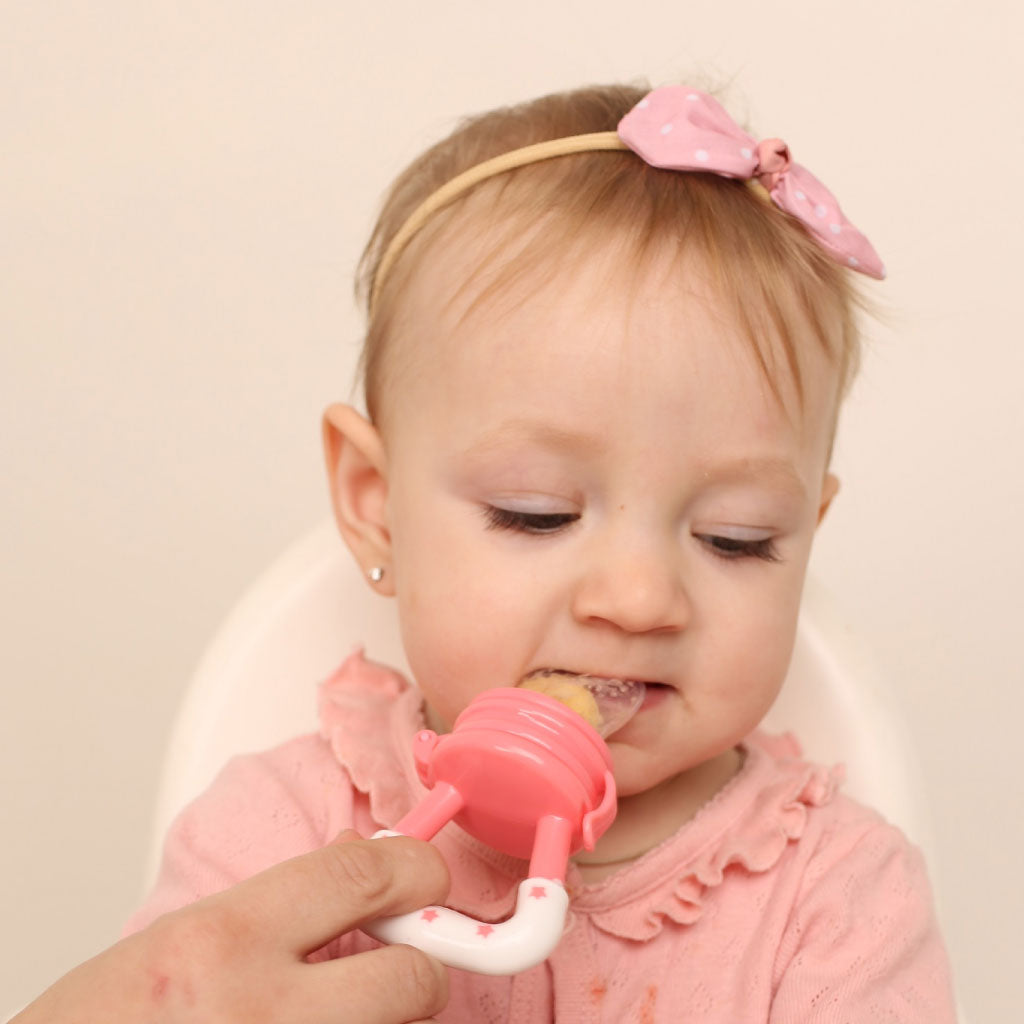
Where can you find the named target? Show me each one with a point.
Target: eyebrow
(530, 431)
(776, 472)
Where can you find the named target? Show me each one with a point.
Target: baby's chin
(635, 769)
(639, 772)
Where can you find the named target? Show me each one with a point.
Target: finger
(305, 902)
(391, 985)
(347, 835)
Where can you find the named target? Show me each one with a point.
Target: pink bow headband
(682, 129)
(678, 128)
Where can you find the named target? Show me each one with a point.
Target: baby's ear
(829, 489)
(357, 472)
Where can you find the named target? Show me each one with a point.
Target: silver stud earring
(376, 574)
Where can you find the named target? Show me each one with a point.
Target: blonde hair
(764, 266)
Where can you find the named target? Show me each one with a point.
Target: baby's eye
(527, 522)
(740, 547)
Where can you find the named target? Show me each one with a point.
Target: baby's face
(598, 479)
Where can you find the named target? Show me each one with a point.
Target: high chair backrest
(255, 686)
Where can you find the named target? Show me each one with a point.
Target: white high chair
(255, 686)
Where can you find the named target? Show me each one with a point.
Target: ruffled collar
(749, 823)
(369, 715)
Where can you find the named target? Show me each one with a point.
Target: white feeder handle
(526, 939)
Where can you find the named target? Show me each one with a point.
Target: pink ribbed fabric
(781, 901)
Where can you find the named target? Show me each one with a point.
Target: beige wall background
(184, 190)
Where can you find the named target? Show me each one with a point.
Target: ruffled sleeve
(747, 826)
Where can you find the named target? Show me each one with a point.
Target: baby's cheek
(447, 674)
(756, 663)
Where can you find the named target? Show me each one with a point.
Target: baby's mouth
(606, 703)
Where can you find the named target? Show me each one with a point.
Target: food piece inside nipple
(606, 704)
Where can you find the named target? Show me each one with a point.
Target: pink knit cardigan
(781, 901)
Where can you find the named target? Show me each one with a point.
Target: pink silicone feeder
(530, 777)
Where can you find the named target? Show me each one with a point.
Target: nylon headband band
(677, 128)
(451, 190)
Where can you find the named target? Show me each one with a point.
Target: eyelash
(527, 522)
(732, 549)
(729, 549)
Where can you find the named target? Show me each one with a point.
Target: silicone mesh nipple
(607, 704)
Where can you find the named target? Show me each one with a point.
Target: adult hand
(240, 955)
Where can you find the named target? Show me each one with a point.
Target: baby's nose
(635, 587)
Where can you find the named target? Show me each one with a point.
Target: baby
(609, 335)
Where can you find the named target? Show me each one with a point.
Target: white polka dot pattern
(682, 129)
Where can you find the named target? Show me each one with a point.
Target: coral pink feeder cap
(526, 775)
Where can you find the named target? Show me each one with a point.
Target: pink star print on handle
(500, 947)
